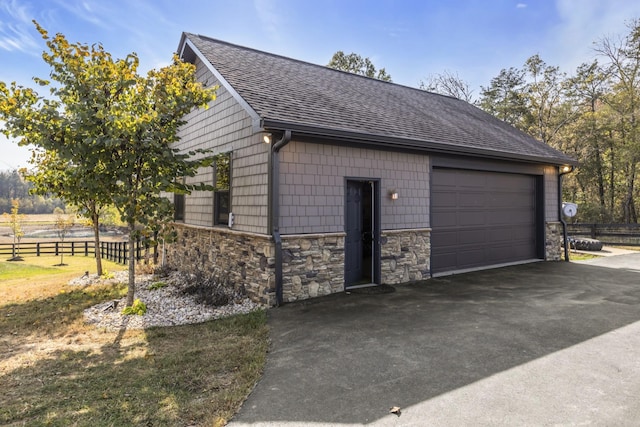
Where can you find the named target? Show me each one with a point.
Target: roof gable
(287, 93)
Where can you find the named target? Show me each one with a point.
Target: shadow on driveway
(348, 358)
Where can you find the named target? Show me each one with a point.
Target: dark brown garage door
(481, 219)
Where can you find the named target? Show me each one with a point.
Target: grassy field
(57, 371)
(49, 219)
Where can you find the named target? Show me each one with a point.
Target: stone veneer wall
(553, 241)
(312, 265)
(406, 255)
(246, 257)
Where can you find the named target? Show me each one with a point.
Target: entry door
(362, 233)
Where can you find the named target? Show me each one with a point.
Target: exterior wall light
(266, 138)
(393, 194)
(566, 168)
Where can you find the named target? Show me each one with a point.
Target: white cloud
(85, 10)
(268, 16)
(521, 5)
(583, 23)
(15, 23)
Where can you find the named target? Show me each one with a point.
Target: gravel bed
(166, 306)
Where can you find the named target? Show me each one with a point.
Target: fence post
(56, 248)
(86, 248)
(38, 249)
(155, 248)
(73, 249)
(155, 253)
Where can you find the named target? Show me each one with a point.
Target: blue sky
(411, 39)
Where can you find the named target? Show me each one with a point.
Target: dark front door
(361, 241)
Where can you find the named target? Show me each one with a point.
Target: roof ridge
(300, 61)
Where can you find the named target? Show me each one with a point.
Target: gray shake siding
(313, 181)
(226, 126)
(551, 211)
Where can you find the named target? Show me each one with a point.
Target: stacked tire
(584, 244)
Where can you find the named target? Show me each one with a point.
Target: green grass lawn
(12, 270)
(29, 278)
(57, 371)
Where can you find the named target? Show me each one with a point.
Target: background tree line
(14, 186)
(591, 114)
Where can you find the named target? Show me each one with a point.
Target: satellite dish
(569, 209)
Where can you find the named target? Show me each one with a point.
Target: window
(222, 187)
(178, 203)
(178, 207)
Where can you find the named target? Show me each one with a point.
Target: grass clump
(106, 274)
(138, 308)
(158, 285)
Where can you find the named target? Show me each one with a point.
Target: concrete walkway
(536, 344)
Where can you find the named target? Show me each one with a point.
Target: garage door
(480, 219)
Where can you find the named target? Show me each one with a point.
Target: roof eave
(409, 144)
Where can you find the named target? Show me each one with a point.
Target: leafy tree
(14, 186)
(109, 216)
(450, 84)
(588, 138)
(505, 98)
(356, 64)
(80, 185)
(64, 223)
(623, 66)
(545, 100)
(113, 128)
(15, 223)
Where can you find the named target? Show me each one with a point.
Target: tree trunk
(612, 176)
(95, 220)
(131, 290)
(628, 205)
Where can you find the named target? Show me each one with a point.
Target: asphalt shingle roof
(298, 94)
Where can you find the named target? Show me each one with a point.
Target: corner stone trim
(553, 241)
(405, 255)
(312, 265)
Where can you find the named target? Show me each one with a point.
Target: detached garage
(335, 181)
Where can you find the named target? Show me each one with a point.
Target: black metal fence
(113, 251)
(611, 234)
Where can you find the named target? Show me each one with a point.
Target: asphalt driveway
(536, 344)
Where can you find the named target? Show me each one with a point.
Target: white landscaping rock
(166, 306)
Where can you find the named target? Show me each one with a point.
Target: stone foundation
(248, 259)
(553, 241)
(405, 255)
(312, 265)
